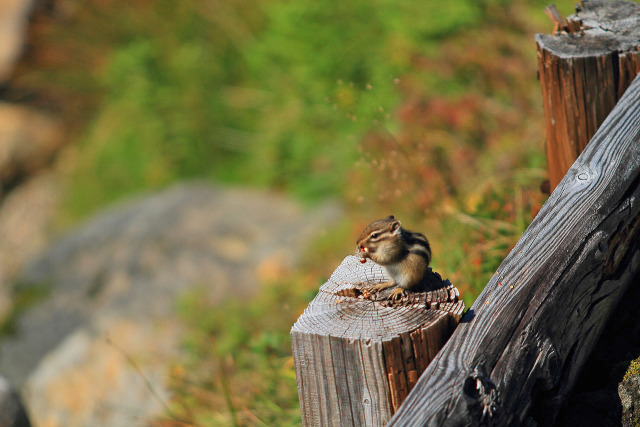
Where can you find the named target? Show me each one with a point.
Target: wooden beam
(584, 68)
(357, 356)
(518, 351)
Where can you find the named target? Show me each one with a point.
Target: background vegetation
(428, 110)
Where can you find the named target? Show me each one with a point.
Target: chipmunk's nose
(363, 249)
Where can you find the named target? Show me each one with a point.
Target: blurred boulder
(25, 216)
(104, 295)
(14, 18)
(29, 191)
(12, 412)
(28, 142)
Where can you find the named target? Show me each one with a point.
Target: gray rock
(29, 140)
(111, 287)
(629, 392)
(26, 215)
(12, 412)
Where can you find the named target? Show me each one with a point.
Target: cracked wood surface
(517, 352)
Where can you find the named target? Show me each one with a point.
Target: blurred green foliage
(428, 110)
(271, 93)
(164, 113)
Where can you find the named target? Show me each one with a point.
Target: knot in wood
(584, 175)
(481, 393)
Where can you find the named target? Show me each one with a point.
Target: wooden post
(357, 357)
(519, 349)
(584, 69)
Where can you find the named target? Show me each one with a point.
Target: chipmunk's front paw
(381, 286)
(396, 294)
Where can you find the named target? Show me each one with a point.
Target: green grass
(239, 369)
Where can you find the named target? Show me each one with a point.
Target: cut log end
(344, 308)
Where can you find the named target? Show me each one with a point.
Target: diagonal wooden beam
(519, 349)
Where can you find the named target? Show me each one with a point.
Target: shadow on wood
(357, 356)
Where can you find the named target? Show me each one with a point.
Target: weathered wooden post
(585, 67)
(357, 357)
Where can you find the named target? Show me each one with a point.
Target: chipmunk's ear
(390, 218)
(395, 227)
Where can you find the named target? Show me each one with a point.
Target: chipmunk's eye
(375, 235)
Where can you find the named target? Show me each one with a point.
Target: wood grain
(357, 357)
(517, 352)
(583, 73)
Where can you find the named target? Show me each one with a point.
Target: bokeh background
(179, 177)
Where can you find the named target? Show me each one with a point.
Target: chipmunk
(404, 255)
